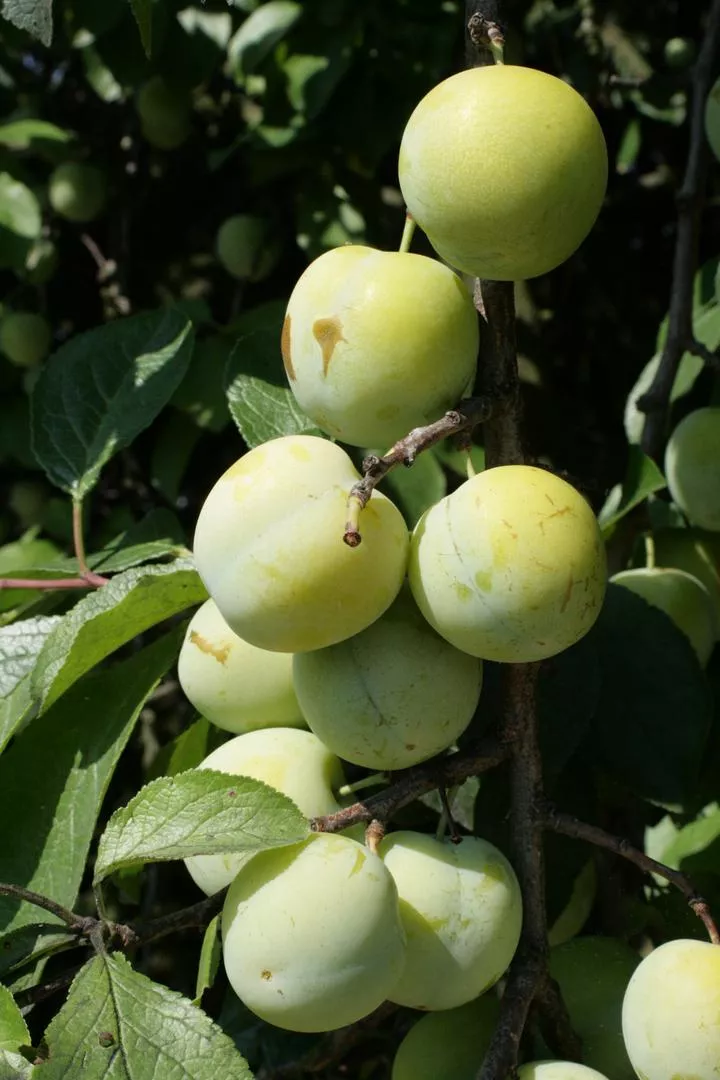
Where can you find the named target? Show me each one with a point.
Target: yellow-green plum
(576, 912)
(461, 907)
(448, 1045)
(164, 113)
(559, 1070)
(376, 343)
(312, 937)
(505, 170)
(593, 974)
(77, 192)
(391, 696)
(511, 566)
(269, 547)
(246, 247)
(671, 1013)
(695, 551)
(292, 761)
(682, 597)
(692, 467)
(237, 686)
(25, 338)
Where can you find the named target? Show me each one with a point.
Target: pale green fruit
(164, 114)
(391, 696)
(696, 552)
(559, 1070)
(246, 248)
(237, 686)
(682, 597)
(77, 191)
(28, 500)
(461, 907)
(269, 547)
(511, 566)
(712, 119)
(576, 912)
(378, 342)
(25, 338)
(291, 761)
(505, 169)
(692, 467)
(593, 974)
(671, 1013)
(41, 262)
(679, 52)
(312, 938)
(448, 1045)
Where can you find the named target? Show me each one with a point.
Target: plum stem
(408, 233)
(377, 779)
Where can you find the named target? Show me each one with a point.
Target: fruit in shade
(576, 912)
(692, 467)
(695, 551)
(448, 1045)
(312, 938)
(28, 500)
(682, 597)
(41, 262)
(376, 343)
(462, 911)
(511, 566)
(291, 761)
(679, 52)
(269, 547)
(558, 1070)
(77, 191)
(593, 974)
(165, 114)
(246, 247)
(671, 1013)
(25, 338)
(237, 686)
(505, 170)
(712, 119)
(391, 696)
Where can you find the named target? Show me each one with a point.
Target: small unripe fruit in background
(448, 1045)
(511, 566)
(461, 907)
(237, 686)
(671, 1012)
(682, 597)
(25, 338)
(692, 467)
(312, 938)
(376, 343)
(165, 114)
(504, 168)
(679, 52)
(269, 547)
(28, 499)
(391, 696)
(246, 247)
(712, 119)
(41, 262)
(559, 1070)
(77, 191)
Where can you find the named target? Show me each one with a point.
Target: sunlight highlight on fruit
(559, 1070)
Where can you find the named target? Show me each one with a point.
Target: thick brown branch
(526, 972)
(76, 923)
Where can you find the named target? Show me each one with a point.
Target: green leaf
(19, 559)
(15, 709)
(13, 1029)
(418, 487)
(21, 134)
(29, 943)
(568, 695)
(20, 221)
(58, 771)
(697, 845)
(210, 957)
(201, 394)
(260, 33)
(200, 812)
(629, 148)
(15, 1066)
(642, 478)
(158, 535)
(142, 10)
(101, 389)
(20, 644)
(35, 16)
(119, 1025)
(186, 751)
(108, 618)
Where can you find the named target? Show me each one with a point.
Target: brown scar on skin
(220, 654)
(568, 593)
(327, 332)
(285, 349)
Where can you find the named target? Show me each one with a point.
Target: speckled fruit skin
(376, 343)
(294, 762)
(558, 1070)
(671, 1013)
(692, 467)
(511, 566)
(269, 547)
(461, 907)
(391, 696)
(164, 114)
(682, 597)
(448, 1045)
(312, 938)
(77, 191)
(25, 338)
(505, 169)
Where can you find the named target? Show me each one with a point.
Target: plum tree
(246, 247)
(505, 170)
(692, 467)
(593, 974)
(695, 551)
(392, 695)
(77, 191)
(269, 547)
(682, 597)
(461, 907)
(25, 338)
(237, 686)
(294, 762)
(671, 1012)
(378, 342)
(312, 937)
(165, 114)
(511, 566)
(448, 1045)
(558, 1070)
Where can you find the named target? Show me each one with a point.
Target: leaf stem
(86, 573)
